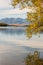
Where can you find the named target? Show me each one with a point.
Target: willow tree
(35, 16)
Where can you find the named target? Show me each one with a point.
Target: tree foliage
(35, 18)
(30, 60)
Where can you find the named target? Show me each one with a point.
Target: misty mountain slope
(14, 21)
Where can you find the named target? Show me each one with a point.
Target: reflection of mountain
(14, 21)
(12, 31)
(31, 50)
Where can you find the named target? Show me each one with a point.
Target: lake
(14, 45)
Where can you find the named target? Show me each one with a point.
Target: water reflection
(12, 30)
(14, 45)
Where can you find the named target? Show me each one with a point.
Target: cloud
(4, 3)
(14, 11)
(6, 10)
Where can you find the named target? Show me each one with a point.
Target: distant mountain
(14, 21)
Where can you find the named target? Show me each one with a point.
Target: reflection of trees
(35, 16)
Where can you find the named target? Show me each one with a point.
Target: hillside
(14, 21)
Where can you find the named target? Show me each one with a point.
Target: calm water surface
(14, 45)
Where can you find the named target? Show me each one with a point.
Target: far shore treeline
(15, 25)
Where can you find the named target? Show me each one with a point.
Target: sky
(7, 10)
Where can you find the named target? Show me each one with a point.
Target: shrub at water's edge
(34, 59)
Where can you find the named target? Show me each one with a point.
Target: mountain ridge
(14, 21)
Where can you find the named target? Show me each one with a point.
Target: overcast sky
(6, 10)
